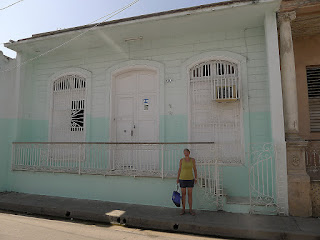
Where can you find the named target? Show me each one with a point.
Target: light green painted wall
(260, 127)
(6, 127)
(175, 128)
(99, 130)
(146, 191)
(38, 130)
(32, 130)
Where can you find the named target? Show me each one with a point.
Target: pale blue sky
(35, 16)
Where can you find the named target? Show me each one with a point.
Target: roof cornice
(147, 17)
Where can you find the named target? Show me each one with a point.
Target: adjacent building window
(313, 80)
(68, 118)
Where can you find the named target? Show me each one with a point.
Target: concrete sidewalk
(165, 219)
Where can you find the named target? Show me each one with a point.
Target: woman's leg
(183, 191)
(190, 200)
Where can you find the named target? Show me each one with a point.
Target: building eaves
(131, 19)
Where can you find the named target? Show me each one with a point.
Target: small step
(242, 205)
(242, 201)
(238, 200)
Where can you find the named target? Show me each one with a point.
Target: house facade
(7, 114)
(107, 115)
(299, 25)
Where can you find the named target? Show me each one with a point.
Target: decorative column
(298, 180)
(288, 75)
(276, 109)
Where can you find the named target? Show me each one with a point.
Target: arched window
(216, 109)
(68, 109)
(222, 77)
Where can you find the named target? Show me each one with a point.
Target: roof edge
(223, 5)
(130, 19)
(156, 14)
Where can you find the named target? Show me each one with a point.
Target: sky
(36, 16)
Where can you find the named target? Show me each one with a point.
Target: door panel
(125, 83)
(146, 82)
(136, 118)
(146, 131)
(124, 118)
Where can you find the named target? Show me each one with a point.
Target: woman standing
(187, 178)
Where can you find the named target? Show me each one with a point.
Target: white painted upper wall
(7, 87)
(167, 41)
(171, 52)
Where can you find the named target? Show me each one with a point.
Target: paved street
(16, 227)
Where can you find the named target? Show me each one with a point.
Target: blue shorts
(186, 183)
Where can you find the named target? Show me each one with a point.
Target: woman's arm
(195, 170)
(179, 171)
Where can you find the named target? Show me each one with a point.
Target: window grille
(77, 115)
(222, 78)
(219, 120)
(68, 109)
(69, 82)
(313, 80)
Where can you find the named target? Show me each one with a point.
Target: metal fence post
(13, 159)
(162, 147)
(79, 159)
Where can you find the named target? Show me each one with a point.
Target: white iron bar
(272, 178)
(262, 176)
(268, 192)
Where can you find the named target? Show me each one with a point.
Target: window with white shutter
(313, 79)
(68, 110)
(216, 109)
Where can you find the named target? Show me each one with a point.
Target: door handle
(131, 133)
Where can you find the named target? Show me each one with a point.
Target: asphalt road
(18, 227)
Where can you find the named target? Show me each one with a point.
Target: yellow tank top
(186, 170)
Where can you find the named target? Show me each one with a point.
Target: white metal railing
(262, 177)
(121, 159)
(131, 159)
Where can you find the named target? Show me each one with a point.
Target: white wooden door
(136, 119)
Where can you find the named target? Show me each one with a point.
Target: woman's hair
(186, 149)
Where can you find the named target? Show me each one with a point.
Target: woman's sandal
(192, 213)
(182, 212)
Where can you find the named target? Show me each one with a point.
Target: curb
(157, 224)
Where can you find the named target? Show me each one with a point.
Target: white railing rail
(130, 159)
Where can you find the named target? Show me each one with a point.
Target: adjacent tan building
(299, 37)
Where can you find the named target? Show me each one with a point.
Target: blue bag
(176, 198)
